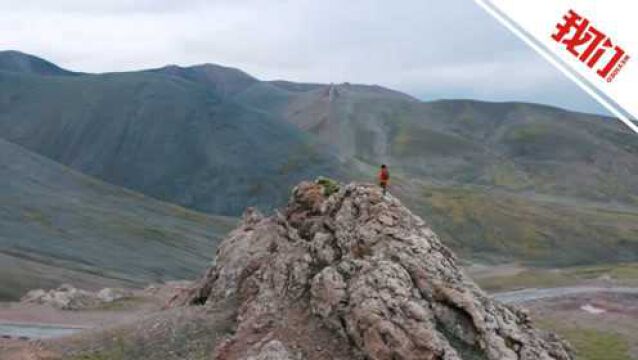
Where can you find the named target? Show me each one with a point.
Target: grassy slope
(518, 147)
(59, 225)
(494, 225)
(518, 181)
(168, 136)
(591, 343)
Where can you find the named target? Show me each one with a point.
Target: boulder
(108, 295)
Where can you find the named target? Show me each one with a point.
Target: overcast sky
(429, 49)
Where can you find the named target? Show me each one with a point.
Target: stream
(35, 331)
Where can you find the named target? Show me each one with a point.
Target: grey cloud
(99, 7)
(431, 49)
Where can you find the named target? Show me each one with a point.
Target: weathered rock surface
(67, 297)
(357, 275)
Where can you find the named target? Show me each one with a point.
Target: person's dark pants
(384, 186)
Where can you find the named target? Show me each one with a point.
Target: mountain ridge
(216, 139)
(16, 61)
(284, 84)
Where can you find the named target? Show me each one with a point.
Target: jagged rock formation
(355, 275)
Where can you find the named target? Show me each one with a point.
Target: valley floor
(595, 308)
(601, 324)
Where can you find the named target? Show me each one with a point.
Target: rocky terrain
(355, 274)
(67, 297)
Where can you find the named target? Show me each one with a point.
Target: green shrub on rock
(329, 186)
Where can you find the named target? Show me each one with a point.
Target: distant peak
(19, 62)
(205, 68)
(226, 81)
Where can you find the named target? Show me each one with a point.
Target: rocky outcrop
(356, 275)
(67, 297)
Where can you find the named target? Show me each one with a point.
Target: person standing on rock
(384, 178)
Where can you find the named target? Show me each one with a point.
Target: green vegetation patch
(597, 345)
(624, 274)
(329, 186)
(591, 344)
(491, 225)
(625, 271)
(529, 132)
(414, 141)
(38, 217)
(533, 278)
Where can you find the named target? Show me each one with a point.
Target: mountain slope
(16, 61)
(58, 225)
(494, 226)
(216, 139)
(516, 146)
(498, 180)
(171, 138)
(224, 81)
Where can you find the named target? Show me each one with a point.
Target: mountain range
(496, 180)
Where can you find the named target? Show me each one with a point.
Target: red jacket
(384, 175)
